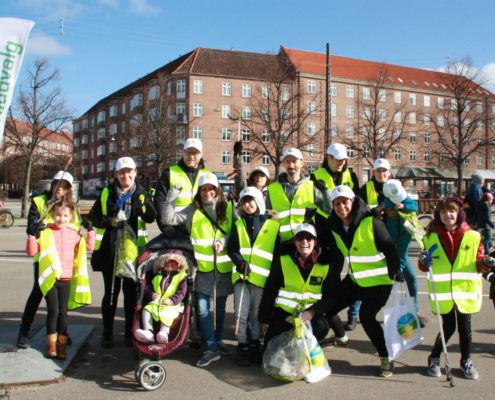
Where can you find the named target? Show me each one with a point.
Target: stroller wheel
(151, 375)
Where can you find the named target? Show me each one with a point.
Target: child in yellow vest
(166, 292)
(455, 255)
(63, 275)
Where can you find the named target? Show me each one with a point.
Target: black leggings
(108, 311)
(57, 299)
(32, 304)
(464, 329)
(373, 299)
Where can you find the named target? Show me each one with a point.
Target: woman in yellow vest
(359, 242)
(209, 221)
(123, 202)
(63, 273)
(60, 189)
(300, 281)
(455, 253)
(252, 247)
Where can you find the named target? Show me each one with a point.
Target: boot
(62, 347)
(51, 345)
(255, 354)
(243, 355)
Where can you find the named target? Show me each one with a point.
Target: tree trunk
(25, 190)
(459, 180)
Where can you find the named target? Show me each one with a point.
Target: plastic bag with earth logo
(400, 323)
(295, 355)
(126, 253)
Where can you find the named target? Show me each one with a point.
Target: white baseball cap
(208, 178)
(63, 175)
(125, 162)
(342, 191)
(381, 163)
(337, 151)
(393, 190)
(193, 143)
(262, 170)
(293, 152)
(256, 194)
(305, 228)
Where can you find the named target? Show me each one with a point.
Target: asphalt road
(108, 374)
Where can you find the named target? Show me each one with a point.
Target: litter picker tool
(244, 279)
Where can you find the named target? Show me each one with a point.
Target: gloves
(37, 228)
(489, 261)
(309, 215)
(425, 259)
(173, 194)
(320, 185)
(399, 276)
(86, 223)
(237, 148)
(117, 223)
(243, 268)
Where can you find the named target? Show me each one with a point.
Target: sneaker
(468, 369)
(207, 358)
(334, 341)
(351, 324)
(223, 349)
(144, 336)
(386, 367)
(434, 367)
(162, 337)
(106, 342)
(22, 342)
(255, 355)
(422, 321)
(243, 355)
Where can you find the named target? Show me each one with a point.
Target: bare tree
(279, 111)
(462, 121)
(41, 106)
(377, 128)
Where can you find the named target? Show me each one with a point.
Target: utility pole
(328, 116)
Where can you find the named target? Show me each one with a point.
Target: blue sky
(107, 44)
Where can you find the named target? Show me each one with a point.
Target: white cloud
(110, 3)
(143, 7)
(42, 45)
(52, 8)
(488, 73)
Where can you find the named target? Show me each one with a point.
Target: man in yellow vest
(293, 198)
(184, 175)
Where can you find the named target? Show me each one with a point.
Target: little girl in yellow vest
(166, 291)
(455, 253)
(63, 273)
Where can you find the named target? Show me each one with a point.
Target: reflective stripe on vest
(142, 233)
(203, 236)
(460, 283)
(297, 295)
(80, 292)
(178, 178)
(291, 214)
(371, 194)
(165, 313)
(367, 266)
(259, 255)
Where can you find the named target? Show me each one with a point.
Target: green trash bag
(126, 253)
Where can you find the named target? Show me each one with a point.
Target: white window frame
(198, 87)
(197, 109)
(246, 90)
(226, 88)
(311, 85)
(349, 91)
(349, 111)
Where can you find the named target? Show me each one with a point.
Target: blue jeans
(209, 335)
(353, 311)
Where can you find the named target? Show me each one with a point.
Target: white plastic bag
(401, 325)
(318, 363)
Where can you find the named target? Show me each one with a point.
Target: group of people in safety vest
(281, 251)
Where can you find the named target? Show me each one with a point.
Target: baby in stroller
(165, 295)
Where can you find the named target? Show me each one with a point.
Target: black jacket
(337, 177)
(384, 244)
(103, 257)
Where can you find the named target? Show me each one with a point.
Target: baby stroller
(150, 373)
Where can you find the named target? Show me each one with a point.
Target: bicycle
(6, 217)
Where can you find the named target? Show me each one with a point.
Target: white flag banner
(14, 33)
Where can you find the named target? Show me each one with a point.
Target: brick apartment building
(205, 90)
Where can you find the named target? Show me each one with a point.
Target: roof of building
(362, 70)
(63, 137)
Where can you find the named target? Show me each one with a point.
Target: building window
(246, 113)
(412, 155)
(467, 160)
(265, 160)
(311, 131)
(349, 111)
(101, 133)
(181, 89)
(349, 91)
(154, 93)
(479, 161)
(426, 119)
(479, 125)
(84, 124)
(412, 118)
(100, 117)
(412, 137)
(197, 109)
(349, 132)
(101, 150)
(333, 110)
(226, 134)
(84, 154)
(311, 87)
(246, 157)
(312, 107)
(113, 129)
(100, 167)
(198, 132)
(265, 136)
(169, 88)
(180, 109)
(84, 139)
(265, 91)
(412, 99)
(367, 113)
(333, 130)
(440, 121)
(440, 102)
(112, 147)
(397, 97)
(225, 111)
(398, 116)
(113, 111)
(382, 114)
(397, 155)
(427, 137)
(76, 142)
(246, 90)
(180, 135)
(366, 93)
(426, 101)
(225, 157)
(311, 150)
(226, 89)
(123, 108)
(246, 135)
(284, 93)
(136, 101)
(426, 156)
(382, 95)
(350, 152)
(198, 86)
